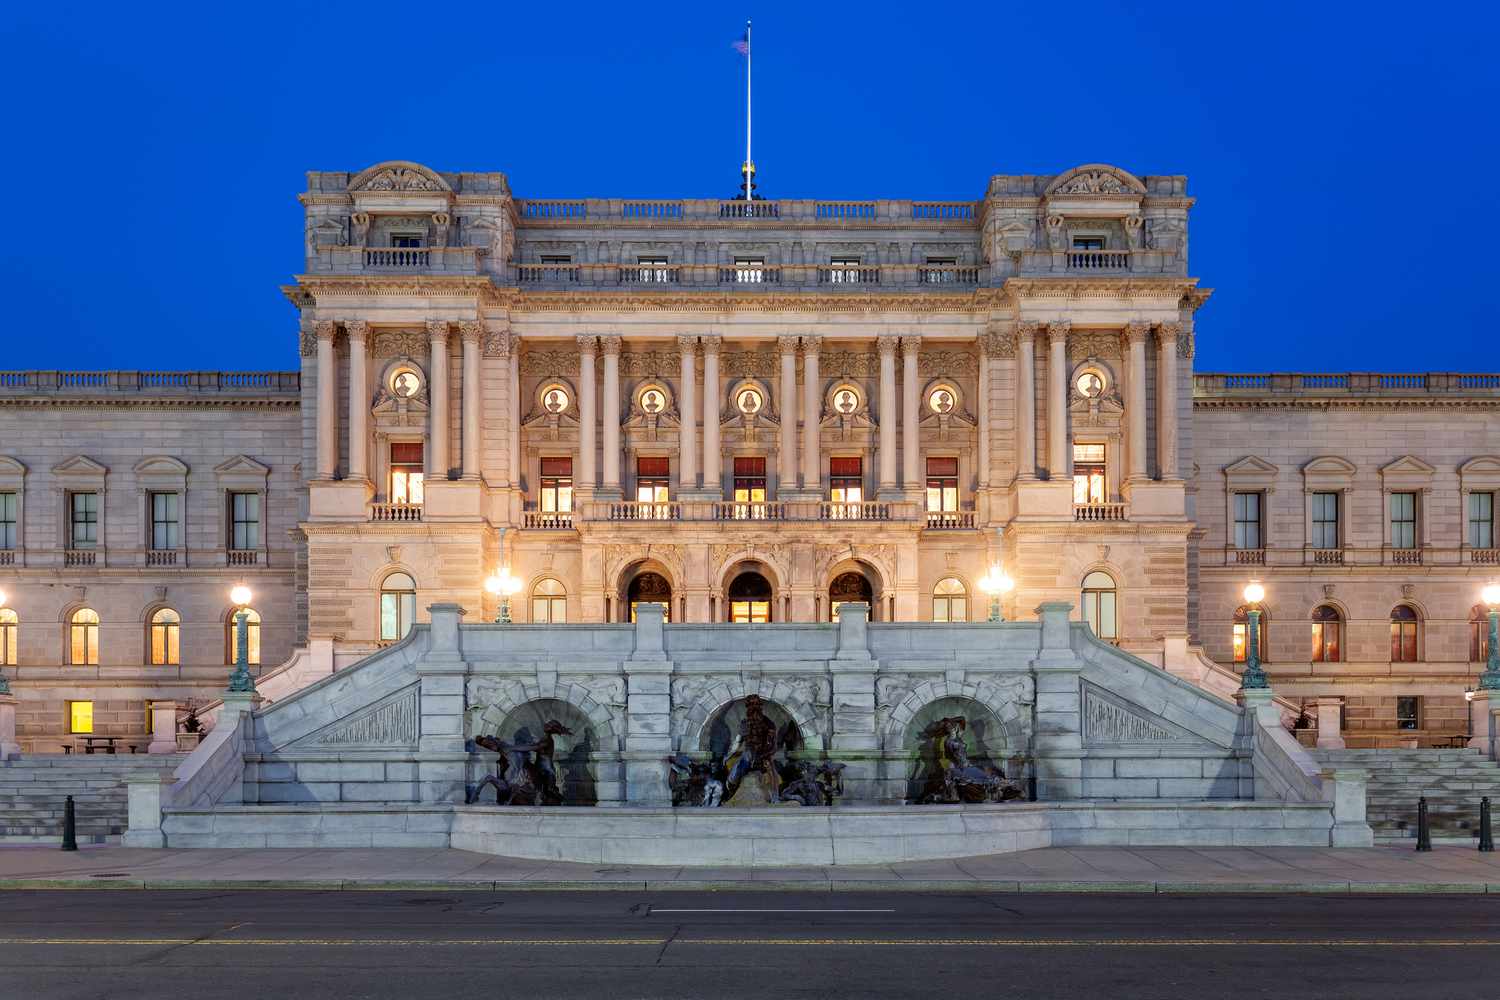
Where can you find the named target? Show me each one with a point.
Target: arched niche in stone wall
(721, 733)
(573, 755)
(985, 738)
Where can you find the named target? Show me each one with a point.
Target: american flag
(742, 46)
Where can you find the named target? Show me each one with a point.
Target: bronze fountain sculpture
(952, 777)
(525, 774)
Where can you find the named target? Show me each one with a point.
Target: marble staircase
(1452, 780)
(33, 790)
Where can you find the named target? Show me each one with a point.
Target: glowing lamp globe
(1490, 595)
(2, 598)
(1255, 593)
(240, 596)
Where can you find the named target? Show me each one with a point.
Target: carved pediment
(1095, 179)
(161, 465)
(1407, 465)
(242, 465)
(1481, 473)
(399, 176)
(1251, 465)
(11, 467)
(81, 470)
(393, 722)
(1330, 465)
(1111, 721)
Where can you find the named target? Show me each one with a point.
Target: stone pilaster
(588, 420)
(687, 407)
(786, 455)
(812, 412)
(1166, 399)
(713, 458)
(611, 422)
(473, 388)
(1026, 400)
(359, 398)
(1057, 400)
(439, 417)
(911, 420)
(328, 400)
(1135, 402)
(888, 410)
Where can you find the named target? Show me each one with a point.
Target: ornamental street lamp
(5, 684)
(503, 586)
(1254, 677)
(240, 681)
(996, 584)
(1490, 679)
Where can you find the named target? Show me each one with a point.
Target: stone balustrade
(773, 510)
(20, 383)
(1221, 385)
(825, 277)
(883, 211)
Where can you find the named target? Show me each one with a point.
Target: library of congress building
(749, 411)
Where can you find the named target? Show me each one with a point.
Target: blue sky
(1344, 156)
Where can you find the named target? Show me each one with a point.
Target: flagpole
(749, 163)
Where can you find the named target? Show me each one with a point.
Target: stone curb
(1332, 888)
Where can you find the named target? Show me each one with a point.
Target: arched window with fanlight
(252, 636)
(549, 603)
(950, 601)
(1479, 634)
(1327, 634)
(9, 628)
(1406, 628)
(166, 632)
(398, 606)
(83, 638)
(1100, 605)
(750, 599)
(1242, 631)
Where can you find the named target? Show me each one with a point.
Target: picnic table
(90, 743)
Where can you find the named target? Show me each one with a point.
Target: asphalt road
(87, 945)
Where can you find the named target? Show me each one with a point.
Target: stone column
(648, 712)
(888, 411)
(514, 413)
(991, 345)
(1135, 402)
(359, 398)
(587, 419)
(1329, 736)
(1166, 398)
(812, 411)
(1057, 399)
(472, 333)
(786, 457)
(437, 458)
(163, 728)
(687, 406)
(911, 416)
(1026, 400)
(611, 347)
(328, 401)
(713, 478)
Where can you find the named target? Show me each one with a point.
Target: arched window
(166, 629)
(549, 603)
(649, 588)
(1405, 629)
(1099, 605)
(9, 626)
(849, 588)
(950, 602)
(1241, 630)
(750, 599)
(1479, 633)
(83, 638)
(1327, 635)
(252, 635)
(398, 606)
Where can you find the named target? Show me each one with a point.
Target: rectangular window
(1247, 522)
(1088, 243)
(942, 484)
(1325, 520)
(651, 269)
(164, 525)
(750, 487)
(846, 479)
(1481, 520)
(80, 717)
(556, 258)
(84, 530)
(652, 483)
(938, 270)
(1403, 520)
(749, 270)
(406, 472)
(407, 240)
(557, 485)
(8, 508)
(1089, 474)
(843, 269)
(244, 511)
(1409, 713)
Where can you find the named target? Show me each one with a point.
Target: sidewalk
(1053, 869)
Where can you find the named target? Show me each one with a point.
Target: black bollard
(1486, 835)
(70, 828)
(1424, 835)
(1031, 787)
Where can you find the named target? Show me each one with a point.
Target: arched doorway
(849, 588)
(750, 599)
(648, 588)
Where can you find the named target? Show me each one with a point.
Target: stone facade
(755, 409)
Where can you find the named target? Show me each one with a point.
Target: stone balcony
(397, 260)
(1357, 556)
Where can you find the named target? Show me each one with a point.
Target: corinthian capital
(1027, 329)
(471, 331)
(712, 343)
(611, 344)
(1058, 330)
(1136, 332)
(787, 345)
(688, 344)
(887, 345)
(357, 329)
(437, 329)
(811, 346)
(325, 329)
(1168, 332)
(588, 343)
(910, 345)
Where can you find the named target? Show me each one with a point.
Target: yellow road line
(759, 942)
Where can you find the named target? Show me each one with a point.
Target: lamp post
(996, 584)
(1254, 677)
(5, 684)
(240, 681)
(1490, 679)
(503, 586)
